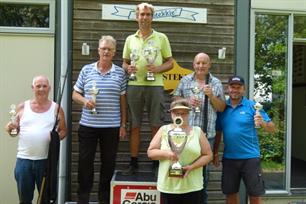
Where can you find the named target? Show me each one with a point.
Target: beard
(235, 96)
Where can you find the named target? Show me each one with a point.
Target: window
(270, 88)
(30, 17)
(299, 27)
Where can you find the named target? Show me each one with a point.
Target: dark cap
(236, 80)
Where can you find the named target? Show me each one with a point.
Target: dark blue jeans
(27, 174)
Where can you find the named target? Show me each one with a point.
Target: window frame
(35, 30)
(291, 14)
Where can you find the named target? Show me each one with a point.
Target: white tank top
(34, 132)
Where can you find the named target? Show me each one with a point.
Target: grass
(271, 166)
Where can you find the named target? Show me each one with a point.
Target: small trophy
(196, 91)
(134, 57)
(94, 91)
(150, 54)
(13, 114)
(257, 107)
(177, 139)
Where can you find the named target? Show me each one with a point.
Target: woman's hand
(186, 170)
(172, 156)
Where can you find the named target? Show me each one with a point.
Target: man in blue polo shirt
(241, 158)
(100, 89)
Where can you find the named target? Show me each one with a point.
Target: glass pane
(24, 15)
(300, 27)
(270, 89)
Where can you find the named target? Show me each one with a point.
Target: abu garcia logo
(139, 198)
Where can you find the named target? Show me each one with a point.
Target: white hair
(39, 76)
(108, 38)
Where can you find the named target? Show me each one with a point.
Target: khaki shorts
(151, 97)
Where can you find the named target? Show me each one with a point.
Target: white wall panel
(21, 58)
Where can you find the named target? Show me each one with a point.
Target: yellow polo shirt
(134, 43)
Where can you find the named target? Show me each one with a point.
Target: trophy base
(150, 77)
(13, 133)
(176, 172)
(197, 110)
(93, 112)
(133, 77)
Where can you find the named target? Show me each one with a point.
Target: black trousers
(195, 197)
(108, 139)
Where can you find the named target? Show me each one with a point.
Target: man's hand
(208, 90)
(215, 160)
(131, 69)
(89, 104)
(152, 68)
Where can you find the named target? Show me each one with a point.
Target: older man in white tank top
(35, 120)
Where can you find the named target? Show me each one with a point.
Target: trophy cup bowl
(134, 57)
(177, 139)
(196, 91)
(150, 54)
(13, 114)
(257, 107)
(94, 91)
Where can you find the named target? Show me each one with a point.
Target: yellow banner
(173, 76)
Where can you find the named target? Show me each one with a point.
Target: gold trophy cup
(177, 139)
(13, 118)
(150, 54)
(94, 91)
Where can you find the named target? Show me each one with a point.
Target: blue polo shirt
(239, 133)
(111, 85)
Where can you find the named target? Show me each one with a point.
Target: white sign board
(162, 13)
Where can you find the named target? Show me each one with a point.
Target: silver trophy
(177, 139)
(196, 91)
(94, 91)
(257, 107)
(134, 57)
(150, 54)
(13, 118)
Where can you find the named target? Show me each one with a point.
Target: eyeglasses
(104, 49)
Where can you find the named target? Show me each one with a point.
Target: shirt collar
(137, 33)
(112, 69)
(193, 76)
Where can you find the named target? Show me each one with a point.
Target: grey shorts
(152, 97)
(247, 169)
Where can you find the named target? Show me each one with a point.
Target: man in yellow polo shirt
(146, 54)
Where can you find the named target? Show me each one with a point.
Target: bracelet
(123, 125)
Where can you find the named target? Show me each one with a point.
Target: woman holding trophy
(182, 151)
